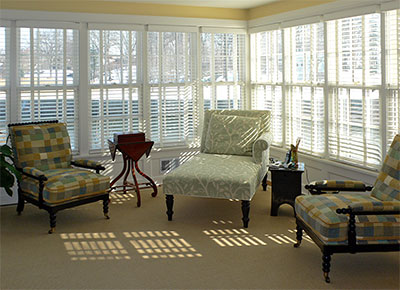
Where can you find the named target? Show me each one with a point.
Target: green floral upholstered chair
(353, 222)
(232, 162)
(50, 178)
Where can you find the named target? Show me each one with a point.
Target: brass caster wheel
(52, 230)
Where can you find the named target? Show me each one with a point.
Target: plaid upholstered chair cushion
(44, 146)
(319, 213)
(66, 184)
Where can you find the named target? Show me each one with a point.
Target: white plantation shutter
(267, 78)
(173, 88)
(114, 90)
(392, 74)
(4, 81)
(354, 53)
(304, 75)
(48, 76)
(223, 69)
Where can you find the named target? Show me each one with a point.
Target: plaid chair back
(387, 185)
(43, 146)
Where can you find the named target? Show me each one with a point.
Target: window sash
(48, 79)
(173, 90)
(223, 70)
(115, 91)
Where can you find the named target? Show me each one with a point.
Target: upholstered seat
(232, 162)
(216, 176)
(65, 184)
(319, 212)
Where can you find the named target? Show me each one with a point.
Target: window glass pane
(304, 54)
(354, 125)
(269, 97)
(354, 50)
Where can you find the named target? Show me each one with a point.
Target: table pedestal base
(129, 167)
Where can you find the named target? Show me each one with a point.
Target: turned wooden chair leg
(299, 236)
(52, 222)
(105, 208)
(245, 212)
(21, 203)
(326, 265)
(170, 204)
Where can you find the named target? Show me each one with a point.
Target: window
(267, 78)
(4, 81)
(223, 70)
(305, 77)
(48, 79)
(115, 90)
(173, 91)
(392, 74)
(354, 56)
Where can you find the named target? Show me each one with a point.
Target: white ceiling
(242, 4)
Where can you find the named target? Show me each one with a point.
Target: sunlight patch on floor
(233, 238)
(120, 198)
(161, 245)
(94, 247)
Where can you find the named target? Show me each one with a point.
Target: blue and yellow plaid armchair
(50, 178)
(353, 222)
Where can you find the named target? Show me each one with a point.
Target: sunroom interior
(328, 71)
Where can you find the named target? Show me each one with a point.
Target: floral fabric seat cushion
(67, 183)
(216, 176)
(319, 213)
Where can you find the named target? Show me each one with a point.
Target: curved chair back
(41, 145)
(387, 185)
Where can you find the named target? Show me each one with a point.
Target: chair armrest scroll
(334, 186)
(260, 145)
(89, 164)
(34, 173)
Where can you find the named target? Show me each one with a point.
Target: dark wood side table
(132, 146)
(286, 186)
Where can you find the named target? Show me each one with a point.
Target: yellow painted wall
(129, 8)
(283, 6)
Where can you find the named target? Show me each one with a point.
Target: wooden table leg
(136, 184)
(153, 185)
(128, 161)
(120, 175)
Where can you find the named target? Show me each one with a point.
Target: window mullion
(130, 100)
(384, 90)
(83, 95)
(103, 122)
(284, 86)
(14, 99)
(161, 88)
